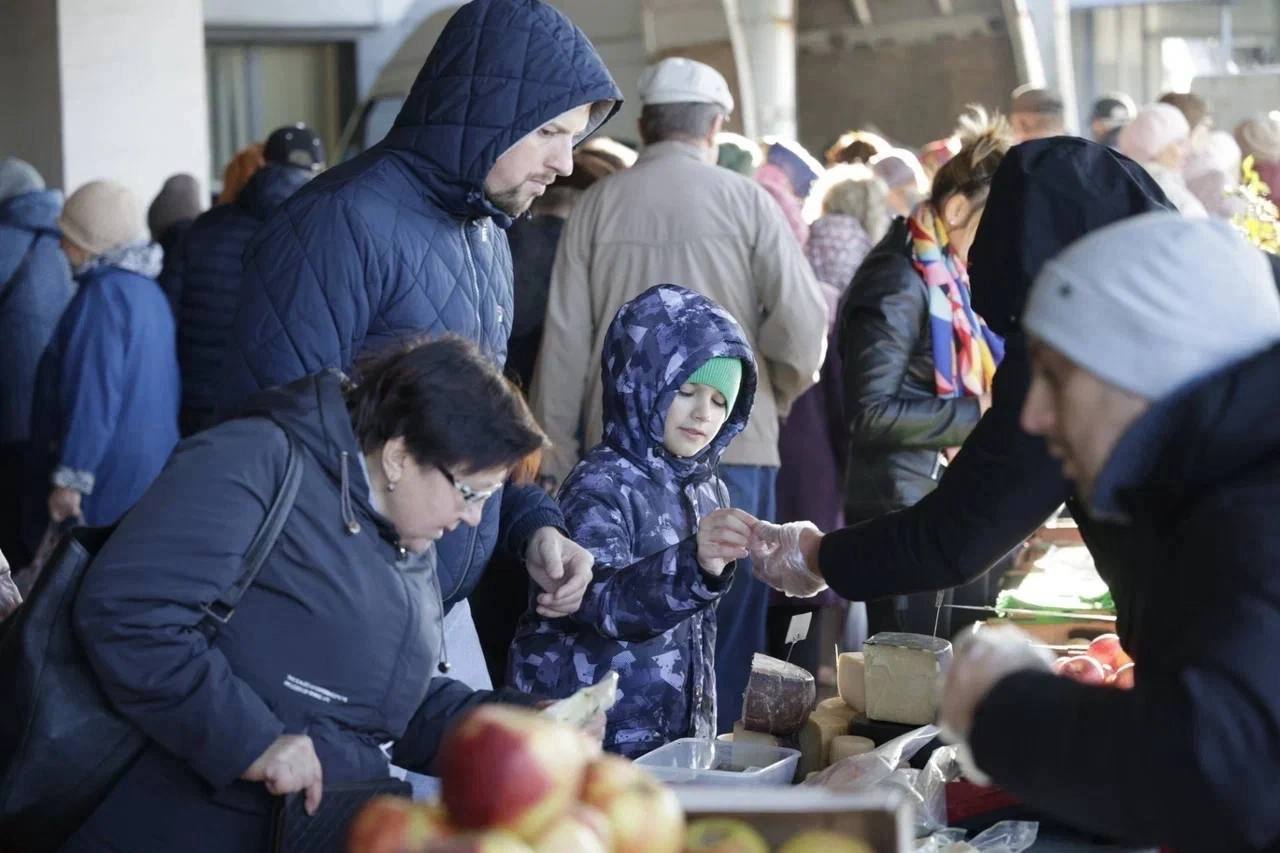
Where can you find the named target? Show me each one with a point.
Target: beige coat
(675, 218)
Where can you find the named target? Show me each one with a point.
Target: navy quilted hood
(1047, 194)
(654, 344)
(500, 70)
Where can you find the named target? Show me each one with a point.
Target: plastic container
(694, 761)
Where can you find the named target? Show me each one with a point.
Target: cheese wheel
(741, 734)
(851, 671)
(835, 706)
(904, 675)
(846, 745)
(819, 731)
(779, 696)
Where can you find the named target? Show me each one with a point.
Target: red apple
(1106, 650)
(568, 835)
(607, 776)
(510, 768)
(1124, 677)
(493, 841)
(394, 824)
(594, 820)
(1081, 668)
(646, 818)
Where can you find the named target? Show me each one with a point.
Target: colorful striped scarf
(965, 352)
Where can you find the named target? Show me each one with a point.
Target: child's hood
(654, 344)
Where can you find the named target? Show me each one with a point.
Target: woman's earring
(391, 487)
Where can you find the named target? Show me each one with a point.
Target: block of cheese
(779, 696)
(851, 679)
(904, 677)
(847, 745)
(836, 705)
(823, 726)
(741, 734)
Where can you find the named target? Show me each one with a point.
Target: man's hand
(10, 598)
(722, 538)
(562, 568)
(290, 764)
(64, 503)
(981, 660)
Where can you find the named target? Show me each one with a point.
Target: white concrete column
(109, 89)
(769, 40)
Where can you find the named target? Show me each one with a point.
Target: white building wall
(133, 92)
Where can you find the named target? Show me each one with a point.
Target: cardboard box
(881, 819)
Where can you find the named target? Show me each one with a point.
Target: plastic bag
(864, 772)
(1008, 836)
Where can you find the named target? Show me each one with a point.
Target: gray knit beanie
(101, 216)
(1156, 301)
(178, 201)
(18, 177)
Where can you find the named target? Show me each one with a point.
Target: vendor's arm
(1190, 757)
(1001, 486)
(137, 610)
(641, 599)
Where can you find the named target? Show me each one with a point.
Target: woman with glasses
(337, 647)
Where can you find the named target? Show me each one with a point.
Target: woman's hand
(289, 764)
(64, 503)
(722, 538)
(561, 568)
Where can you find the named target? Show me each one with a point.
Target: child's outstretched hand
(722, 538)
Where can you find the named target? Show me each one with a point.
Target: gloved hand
(778, 560)
(982, 659)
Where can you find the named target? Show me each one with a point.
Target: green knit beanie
(724, 375)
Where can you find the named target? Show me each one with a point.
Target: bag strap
(219, 611)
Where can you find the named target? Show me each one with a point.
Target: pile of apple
(1104, 662)
(513, 781)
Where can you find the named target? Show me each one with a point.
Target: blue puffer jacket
(402, 240)
(106, 406)
(338, 637)
(35, 287)
(650, 612)
(205, 270)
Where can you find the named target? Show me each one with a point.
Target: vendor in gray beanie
(1130, 315)
(1156, 301)
(1155, 381)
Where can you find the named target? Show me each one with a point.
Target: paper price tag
(798, 628)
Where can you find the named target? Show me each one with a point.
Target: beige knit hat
(101, 216)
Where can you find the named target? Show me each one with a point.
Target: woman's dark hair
(985, 140)
(450, 404)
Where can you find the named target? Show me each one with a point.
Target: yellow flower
(1260, 221)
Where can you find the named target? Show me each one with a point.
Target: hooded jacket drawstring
(348, 514)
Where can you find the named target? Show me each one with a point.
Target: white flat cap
(677, 80)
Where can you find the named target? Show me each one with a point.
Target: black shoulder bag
(62, 745)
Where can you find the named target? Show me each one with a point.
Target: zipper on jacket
(471, 266)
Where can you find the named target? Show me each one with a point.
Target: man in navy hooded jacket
(408, 239)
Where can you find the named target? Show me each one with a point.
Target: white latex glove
(778, 560)
(981, 659)
(10, 598)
